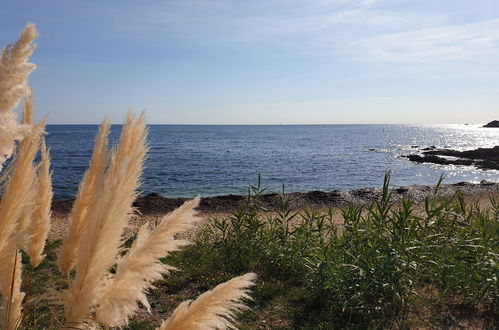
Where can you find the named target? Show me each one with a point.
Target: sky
(262, 61)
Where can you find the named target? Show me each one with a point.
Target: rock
(428, 159)
(154, 203)
(323, 198)
(401, 190)
(484, 158)
(486, 183)
(494, 123)
(62, 207)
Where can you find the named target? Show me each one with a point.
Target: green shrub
(365, 271)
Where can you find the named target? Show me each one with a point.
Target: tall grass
(370, 267)
(105, 283)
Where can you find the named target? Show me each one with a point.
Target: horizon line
(283, 124)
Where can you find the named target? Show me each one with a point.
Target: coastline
(155, 204)
(188, 284)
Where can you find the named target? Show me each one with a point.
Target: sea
(209, 160)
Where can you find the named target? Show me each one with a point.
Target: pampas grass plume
(40, 223)
(89, 186)
(109, 213)
(214, 309)
(100, 213)
(19, 194)
(14, 71)
(16, 205)
(141, 266)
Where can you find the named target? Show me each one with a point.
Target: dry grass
(104, 281)
(14, 72)
(78, 220)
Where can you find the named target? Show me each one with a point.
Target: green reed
(368, 269)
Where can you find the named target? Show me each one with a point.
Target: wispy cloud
(317, 26)
(373, 34)
(475, 41)
(385, 98)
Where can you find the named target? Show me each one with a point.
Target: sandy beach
(151, 207)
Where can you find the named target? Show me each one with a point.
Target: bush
(369, 268)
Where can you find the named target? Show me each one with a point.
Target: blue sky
(263, 62)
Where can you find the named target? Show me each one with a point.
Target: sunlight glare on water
(187, 160)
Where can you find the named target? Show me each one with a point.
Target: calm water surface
(187, 160)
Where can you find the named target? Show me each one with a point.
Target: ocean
(208, 160)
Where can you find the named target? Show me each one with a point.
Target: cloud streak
(370, 34)
(472, 41)
(318, 26)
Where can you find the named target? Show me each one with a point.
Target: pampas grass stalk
(108, 214)
(12, 295)
(35, 221)
(141, 266)
(89, 186)
(19, 196)
(31, 144)
(14, 71)
(101, 211)
(40, 223)
(214, 309)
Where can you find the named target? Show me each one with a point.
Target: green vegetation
(402, 265)
(384, 264)
(375, 268)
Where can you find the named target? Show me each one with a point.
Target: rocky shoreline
(483, 158)
(155, 204)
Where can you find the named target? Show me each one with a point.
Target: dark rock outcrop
(484, 158)
(494, 123)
